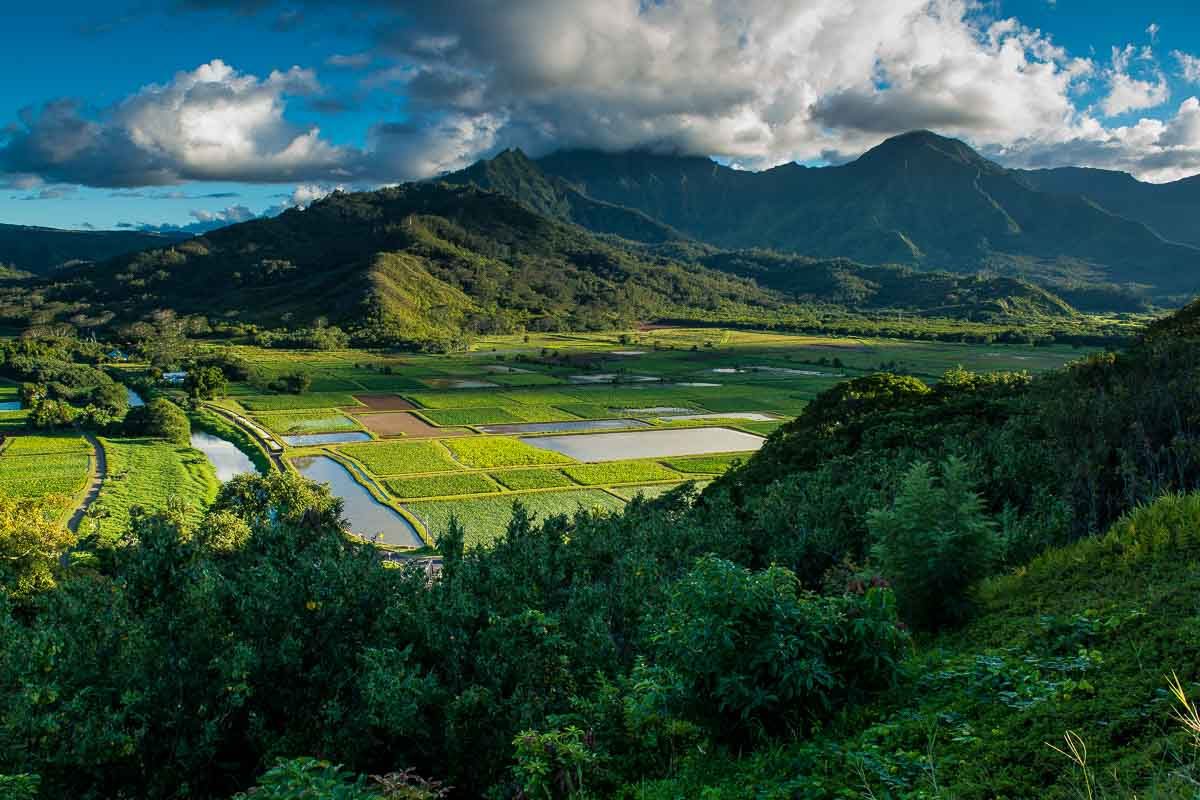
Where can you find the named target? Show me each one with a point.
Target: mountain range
(1170, 209)
(425, 263)
(588, 239)
(918, 199)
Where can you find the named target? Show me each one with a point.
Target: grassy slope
(149, 473)
(1082, 640)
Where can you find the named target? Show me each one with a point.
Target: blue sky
(184, 111)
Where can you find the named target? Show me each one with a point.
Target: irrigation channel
(226, 458)
(366, 516)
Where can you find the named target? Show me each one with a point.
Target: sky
(195, 113)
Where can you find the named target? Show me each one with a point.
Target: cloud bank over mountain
(753, 82)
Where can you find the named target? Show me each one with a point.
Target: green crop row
(620, 472)
(486, 518)
(518, 479)
(453, 483)
(314, 421)
(290, 402)
(401, 458)
(485, 452)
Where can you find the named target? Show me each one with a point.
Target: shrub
(19, 787)
(309, 779)
(739, 650)
(161, 419)
(205, 383)
(555, 764)
(934, 542)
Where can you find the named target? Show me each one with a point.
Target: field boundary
(98, 464)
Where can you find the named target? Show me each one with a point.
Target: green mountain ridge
(430, 262)
(855, 285)
(918, 199)
(407, 264)
(512, 173)
(40, 250)
(1170, 209)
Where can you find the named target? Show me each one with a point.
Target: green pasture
(486, 518)
(151, 474)
(447, 485)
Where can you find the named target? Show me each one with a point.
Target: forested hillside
(39, 250)
(844, 282)
(908, 591)
(414, 263)
(918, 199)
(1169, 209)
(427, 265)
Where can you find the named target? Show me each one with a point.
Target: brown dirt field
(401, 423)
(384, 402)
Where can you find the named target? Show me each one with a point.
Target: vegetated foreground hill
(1035, 535)
(39, 250)
(410, 263)
(1170, 209)
(430, 261)
(918, 199)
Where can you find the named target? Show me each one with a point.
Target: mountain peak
(513, 154)
(925, 147)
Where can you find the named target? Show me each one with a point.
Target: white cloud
(226, 216)
(306, 194)
(1154, 150)
(1152, 30)
(758, 81)
(755, 82)
(1127, 93)
(1189, 66)
(212, 123)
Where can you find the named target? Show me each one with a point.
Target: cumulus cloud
(306, 194)
(759, 81)
(226, 216)
(213, 123)
(1127, 93)
(205, 220)
(756, 82)
(1155, 150)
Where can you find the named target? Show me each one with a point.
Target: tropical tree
(934, 542)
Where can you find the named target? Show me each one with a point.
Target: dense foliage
(160, 419)
(748, 637)
(39, 250)
(263, 632)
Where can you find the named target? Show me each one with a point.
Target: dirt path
(96, 482)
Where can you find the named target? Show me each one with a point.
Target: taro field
(465, 435)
